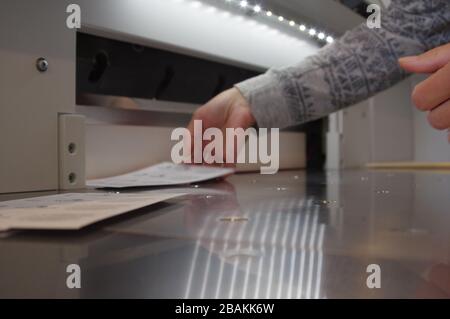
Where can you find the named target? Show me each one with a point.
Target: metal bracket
(71, 131)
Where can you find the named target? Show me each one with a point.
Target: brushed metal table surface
(289, 235)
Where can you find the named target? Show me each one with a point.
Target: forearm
(360, 64)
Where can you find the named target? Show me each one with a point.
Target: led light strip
(257, 9)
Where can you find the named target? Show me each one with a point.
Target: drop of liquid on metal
(325, 202)
(233, 219)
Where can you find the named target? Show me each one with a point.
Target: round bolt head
(42, 64)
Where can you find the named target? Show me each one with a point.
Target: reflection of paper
(72, 211)
(163, 174)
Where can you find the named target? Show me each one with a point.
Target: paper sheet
(164, 174)
(72, 211)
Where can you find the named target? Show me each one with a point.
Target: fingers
(191, 128)
(427, 62)
(439, 118)
(240, 118)
(227, 110)
(433, 91)
(433, 94)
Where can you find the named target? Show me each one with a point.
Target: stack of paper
(72, 211)
(77, 210)
(164, 174)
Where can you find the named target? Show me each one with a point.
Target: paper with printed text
(164, 174)
(73, 210)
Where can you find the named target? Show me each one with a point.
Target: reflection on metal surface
(196, 250)
(292, 244)
(264, 263)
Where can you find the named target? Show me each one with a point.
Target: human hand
(227, 110)
(433, 94)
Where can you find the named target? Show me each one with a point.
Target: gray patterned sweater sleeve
(358, 65)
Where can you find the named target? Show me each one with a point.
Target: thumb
(428, 62)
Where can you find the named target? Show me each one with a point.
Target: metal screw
(42, 64)
(72, 178)
(72, 148)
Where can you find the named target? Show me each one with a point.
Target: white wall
(391, 121)
(386, 127)
(377, 129)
